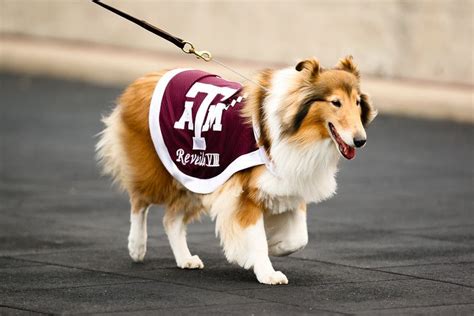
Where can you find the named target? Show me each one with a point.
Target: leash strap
(185, 46)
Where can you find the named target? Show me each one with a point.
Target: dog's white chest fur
(302, 175)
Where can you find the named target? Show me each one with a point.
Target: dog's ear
(368, 112)
(347, 64)
(309, 65)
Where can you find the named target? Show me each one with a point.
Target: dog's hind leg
(239, 223)
(137, 237)
(175, 227)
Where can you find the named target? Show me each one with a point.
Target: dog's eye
(336, 103)
(358, 102)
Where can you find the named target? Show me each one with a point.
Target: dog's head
(328, 103)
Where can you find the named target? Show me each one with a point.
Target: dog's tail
(109, 149)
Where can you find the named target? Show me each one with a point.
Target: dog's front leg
(258, 251)
(286, 232)
(242, 232)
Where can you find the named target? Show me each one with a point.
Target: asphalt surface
(396, 239)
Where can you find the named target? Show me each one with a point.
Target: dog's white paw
(273, 278)
(137, 250)
(193, 262)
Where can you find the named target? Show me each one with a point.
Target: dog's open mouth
(347, 151)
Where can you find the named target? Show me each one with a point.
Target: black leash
(185, 46)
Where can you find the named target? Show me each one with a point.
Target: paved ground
(397, 239)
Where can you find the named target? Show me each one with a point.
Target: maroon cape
(197, 129)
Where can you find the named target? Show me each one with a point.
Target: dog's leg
(175, 228)
(138, 233)
(256, 241)
(239, 223)
(286, 232)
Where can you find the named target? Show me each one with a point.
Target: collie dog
(289, 128)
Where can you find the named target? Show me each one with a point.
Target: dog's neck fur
(302, 174)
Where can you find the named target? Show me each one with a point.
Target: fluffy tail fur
(109, 149)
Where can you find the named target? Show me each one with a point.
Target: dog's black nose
(359, 142)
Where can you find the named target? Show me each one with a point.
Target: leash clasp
(188, 48)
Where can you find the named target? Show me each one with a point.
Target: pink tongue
(350, 152)
(347, 151)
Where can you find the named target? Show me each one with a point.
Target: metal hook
(188, 48)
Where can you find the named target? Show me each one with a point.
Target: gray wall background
(420, 39)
